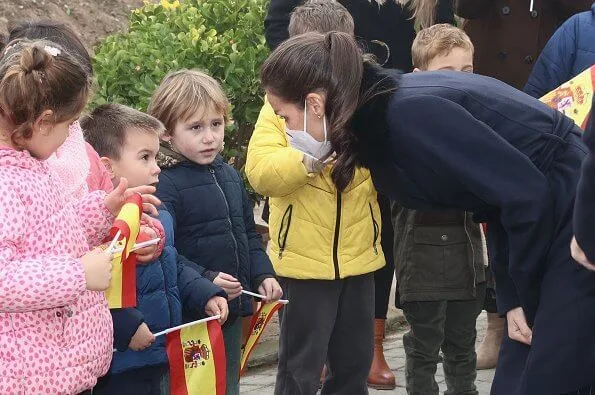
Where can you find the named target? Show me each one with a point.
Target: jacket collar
(168, 158)
(23, 159)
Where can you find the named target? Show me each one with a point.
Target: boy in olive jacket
(439, 259)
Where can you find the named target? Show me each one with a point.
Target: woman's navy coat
(447, 140)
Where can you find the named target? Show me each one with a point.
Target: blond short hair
(437, 40)
(184, 93)
(320, 16)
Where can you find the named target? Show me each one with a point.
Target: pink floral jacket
(55, 336)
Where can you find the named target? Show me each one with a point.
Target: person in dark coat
(459, 141)
(570, 51)
(509, 35)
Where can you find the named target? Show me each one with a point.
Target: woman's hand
(517, 326)
(579, 255)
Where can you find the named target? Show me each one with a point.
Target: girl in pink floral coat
(55, 327)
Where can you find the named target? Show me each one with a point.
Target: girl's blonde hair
(184, 93)
(424, 11)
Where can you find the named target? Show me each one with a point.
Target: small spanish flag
(122, 290)
(259, 322)
(573, 98)
(197, 360)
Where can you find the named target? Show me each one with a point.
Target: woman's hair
(332, 64)
(36, 76)
(56, 32)
(424, 11)
(185, 93)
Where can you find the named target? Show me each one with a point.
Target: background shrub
(222, 37)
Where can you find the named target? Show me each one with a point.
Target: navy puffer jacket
(214, 224)
(570, 51)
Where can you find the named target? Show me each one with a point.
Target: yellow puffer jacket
(315, 232)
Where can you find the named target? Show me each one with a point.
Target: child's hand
(116, 198)
(270, 289)
(143, 338)
(146, 254)
(229, 284)
(517, 326)
(97, 265)
(217, 305)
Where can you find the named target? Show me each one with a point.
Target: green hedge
(222, 37)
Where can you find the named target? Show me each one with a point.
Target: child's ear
(166, 137)
(107, 163)
(415, 70)
(44, 122)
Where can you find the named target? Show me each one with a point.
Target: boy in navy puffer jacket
(127, 141)
(213, 217)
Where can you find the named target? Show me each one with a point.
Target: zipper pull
(211, 170)
(281, 253)
(375, 249)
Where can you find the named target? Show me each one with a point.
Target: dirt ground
(92, 19)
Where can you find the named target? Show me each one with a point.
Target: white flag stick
(139, 245)
(110, 249)
(282, 301)
(175, 328)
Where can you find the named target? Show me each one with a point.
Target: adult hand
(270, 289)
(579, 255)
(517, 326)
(116, 198)
(229, 284)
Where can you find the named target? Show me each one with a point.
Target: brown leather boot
(380, 376)
(488, 350)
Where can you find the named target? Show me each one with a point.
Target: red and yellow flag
(122, 290)
(573, 98)
(259, 322)
(197, 360)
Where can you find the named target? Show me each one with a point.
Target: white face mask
(304, 142)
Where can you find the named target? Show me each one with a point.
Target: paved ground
(261, 381)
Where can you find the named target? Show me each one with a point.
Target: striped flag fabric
(259, 322)
(197, 360)
(122, 290)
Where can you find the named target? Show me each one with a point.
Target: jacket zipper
(336, 239)
(282, 236)
(235, 243)
(472, 249)
(376, 231)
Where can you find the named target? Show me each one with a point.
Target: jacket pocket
(284, 230)
(438, 255)
(375, 229)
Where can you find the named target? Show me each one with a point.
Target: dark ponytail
(332, 63)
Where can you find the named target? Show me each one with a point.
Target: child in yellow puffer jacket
(325, 245)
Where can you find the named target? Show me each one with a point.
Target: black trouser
(145, 381)
(446, 325)
(383, 277)
(326, 321)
